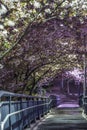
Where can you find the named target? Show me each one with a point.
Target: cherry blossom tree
(39, 39)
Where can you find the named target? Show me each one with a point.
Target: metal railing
(84, 104)
(17, 111)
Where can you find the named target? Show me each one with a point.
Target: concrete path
(67, 116)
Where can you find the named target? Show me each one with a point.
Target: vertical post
(39, 112)
(50, 103)
(38, 116)
(21, 112)
(68, 86)
(10, 112)
(34, 118)
(62, 82)
(1, 126)
(0, 112)
(84, 86)
(45, 109)
(78, 89)
(42, 107)
(28, 119)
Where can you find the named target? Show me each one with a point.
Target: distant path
(67, 116)
(72, 104)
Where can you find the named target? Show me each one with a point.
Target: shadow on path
(67, 116)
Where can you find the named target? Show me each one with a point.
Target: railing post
(42, 107)
(49, 105)
(9, 99)
(30, 110)
(21, 113)
(28, 113)
(0, 112)
(34, 119)
(38, 109)
(1, 126)
(46, 105)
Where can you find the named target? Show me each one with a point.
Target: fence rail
(17, 111)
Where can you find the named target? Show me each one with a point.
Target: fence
(84, 104)
(18, 110)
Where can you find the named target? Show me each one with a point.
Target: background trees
(39, 39)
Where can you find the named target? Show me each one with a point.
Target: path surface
(67, 116)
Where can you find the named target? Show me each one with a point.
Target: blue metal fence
(17, 111)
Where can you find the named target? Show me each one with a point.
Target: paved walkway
(69, 105)
(67, 116)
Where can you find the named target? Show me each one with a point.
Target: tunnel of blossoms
(39, 41)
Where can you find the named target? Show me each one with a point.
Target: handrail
(11, 114)
(17, 110)
(5, 93)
